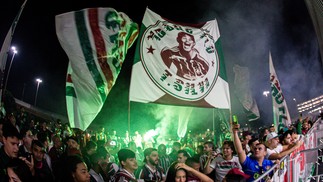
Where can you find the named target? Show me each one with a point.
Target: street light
(14, 50)
(265, 93)
(38, 80)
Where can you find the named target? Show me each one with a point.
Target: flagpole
(6, 47)
(213, 120)
(129, 120)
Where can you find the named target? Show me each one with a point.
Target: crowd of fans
(53, 152)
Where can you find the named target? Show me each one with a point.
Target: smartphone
(28, 156)
(235, 119)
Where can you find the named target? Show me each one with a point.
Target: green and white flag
(96, 41)
(280, 110)
(177, 64)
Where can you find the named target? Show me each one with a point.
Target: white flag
(280, 110)
(178, 64)
(96, 41)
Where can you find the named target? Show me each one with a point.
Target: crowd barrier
(303, 165)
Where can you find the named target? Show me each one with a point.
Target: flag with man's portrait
(179, 64)
(96, 41)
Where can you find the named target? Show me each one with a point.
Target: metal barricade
(303, 164)
(279, 171)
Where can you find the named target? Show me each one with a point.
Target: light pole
(14, 50)
(38, 80)
(23, 92)
(266, 93)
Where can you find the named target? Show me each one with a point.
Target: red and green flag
(96, 41)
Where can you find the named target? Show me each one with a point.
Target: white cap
(271, 136)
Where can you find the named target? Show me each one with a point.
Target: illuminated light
(312, 105)
(265, 93)
(148, 136)
(38, 80)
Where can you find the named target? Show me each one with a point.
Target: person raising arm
(256, 165)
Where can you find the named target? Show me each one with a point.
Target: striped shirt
(164, 162)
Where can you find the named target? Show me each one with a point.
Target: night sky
(249, 30)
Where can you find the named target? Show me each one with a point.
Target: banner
(177, 64)
(96, 41)
(281, 115)
(243, 92)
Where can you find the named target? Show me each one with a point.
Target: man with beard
(276, 150)
(208, 149)
(151, 170)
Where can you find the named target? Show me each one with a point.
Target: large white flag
(177, 64)
(280, 110)
(96, 41)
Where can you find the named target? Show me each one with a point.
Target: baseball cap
(239, 172)
(271, 136)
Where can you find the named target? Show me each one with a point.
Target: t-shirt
(96, 176)
(222, 166)
(203, 159)
(164, 162)
(125, 176)
(251, 167)
(277, 150)
(149, 174)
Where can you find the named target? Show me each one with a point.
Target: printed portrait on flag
(177, 64)
(189, 64)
